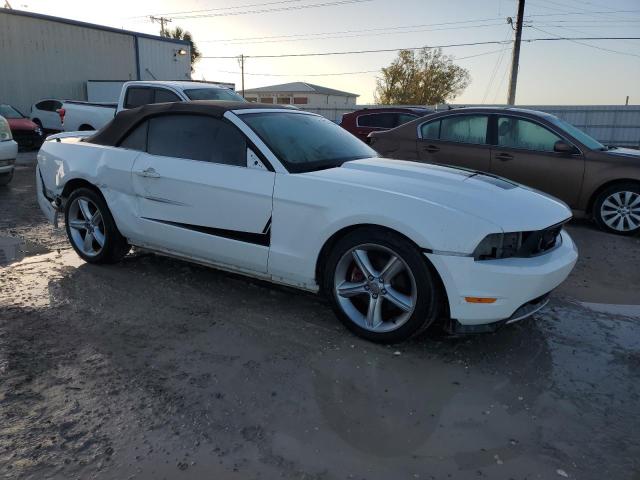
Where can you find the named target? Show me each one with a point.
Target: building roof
(300, 87)
(114, 131)
(94, 26)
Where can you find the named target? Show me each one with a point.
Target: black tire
(85, 128)
(115, 245)
(5, 178)
(627, 224)
(429, 303)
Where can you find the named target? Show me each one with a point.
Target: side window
(404, 118)
(137, 139)
(56, 105)
(378, 120)
(431, 130)
(43, 106)
(138, 96)
(163, 95)
(197, 137)
(465, 129)
(518, 133)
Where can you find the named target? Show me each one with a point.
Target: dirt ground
(155, 368)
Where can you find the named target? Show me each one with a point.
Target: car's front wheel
(617, 209)
(91, 229)
(381, 286)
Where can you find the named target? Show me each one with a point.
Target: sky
(558, 72)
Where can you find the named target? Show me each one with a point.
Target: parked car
(290, 197)
(45, 115)
(8, 152)
(533, 148)
(27, 134)
(362, 122)
(84, 116)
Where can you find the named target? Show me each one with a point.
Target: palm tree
(180, 34)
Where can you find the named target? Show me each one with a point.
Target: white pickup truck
(81, 116)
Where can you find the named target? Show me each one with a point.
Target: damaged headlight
(5, 131)
(498, 245)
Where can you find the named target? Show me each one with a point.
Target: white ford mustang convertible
(289, 197)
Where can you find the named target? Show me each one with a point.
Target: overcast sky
(550, 72)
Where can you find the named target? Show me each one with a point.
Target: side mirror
(563, 147)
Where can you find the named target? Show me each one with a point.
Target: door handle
(148, 173)
(504, 157)
(431, 149)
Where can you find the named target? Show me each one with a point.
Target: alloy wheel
(86, 226)
(620, 211)
(375, 288)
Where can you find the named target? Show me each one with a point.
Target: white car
(85, 116)
(288, 196)
(8, 152)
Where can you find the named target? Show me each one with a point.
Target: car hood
(510, 206)
(21, 124)
(625, 152)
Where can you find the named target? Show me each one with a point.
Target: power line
(225, 8)
(301, 39)
(577, 40)
(343, 73)
(400, 27)
(469, 44)
(269, 10)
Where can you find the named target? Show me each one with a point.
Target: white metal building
(304, 95)
(51, 57)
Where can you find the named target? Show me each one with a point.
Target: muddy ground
(155, 368)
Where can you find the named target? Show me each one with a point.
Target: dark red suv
(362, 122)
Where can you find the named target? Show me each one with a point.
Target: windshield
(304, 142)
(7, 111)
(589, 142)
(213, 94)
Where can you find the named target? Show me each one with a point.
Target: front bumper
(513, 282)
(8, 154)
(47, 205)
(28, 139)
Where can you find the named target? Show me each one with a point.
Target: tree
(425, 77)
(180, 34)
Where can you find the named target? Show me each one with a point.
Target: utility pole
(8, 5)
(626, 103)
(516, 55)
(161, 21)
(242, 72)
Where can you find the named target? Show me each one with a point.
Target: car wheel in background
(5, 178)
(381, 286)
(617, 209)
(91, 230)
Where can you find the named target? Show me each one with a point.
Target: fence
(610, 124)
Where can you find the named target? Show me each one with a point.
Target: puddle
(632, 311)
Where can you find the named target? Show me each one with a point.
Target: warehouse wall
(42, 59)
(158, 60)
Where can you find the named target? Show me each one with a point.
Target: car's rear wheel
(91, 229)
(5, 178)
(617, 209)
(381, 286)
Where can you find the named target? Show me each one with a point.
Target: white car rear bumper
(513, 282)
(8, 154)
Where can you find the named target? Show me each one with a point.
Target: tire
(85, 128)
(5, 178)
(617, 209)
(382, 310)
(38, 123)
(106, 244)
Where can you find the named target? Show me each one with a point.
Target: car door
(196, 195)
(458, 140)
(524, 152)
(48, 114)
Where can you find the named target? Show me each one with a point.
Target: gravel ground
(155, 368)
